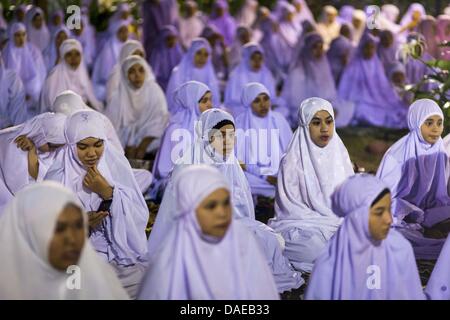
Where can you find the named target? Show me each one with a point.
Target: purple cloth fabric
(186, 265)
(187, 71)
(26, 61)
(416, 173)
(317, 81)
(364, 82)
(107, 59)
(439, 281)
(339, 55)
(120, 238)
(51, 52)
(225, 23)
(163, 58)
(39, 37)
(243, 74)
(387, 55)
(354, 265)
(443, 35)
(261, 155)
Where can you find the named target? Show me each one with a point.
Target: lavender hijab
(26, 61)
(13, 109)
(163, 58)
(364, 82)
(201, 152)
(51, 52)
(106, 59)
(338, 56)
(181, 126)
(307, 177)
(224, 23)
(120, 238)
(416, 173)
(244, 74)
(187, 71)
(261, 155)
(185, 267)
(314, 73)
(343, 271)
(439, 281)
(42, 129)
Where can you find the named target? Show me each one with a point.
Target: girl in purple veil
(103, 181)
(203, 239)
(13, 109)
(415, 170)
(166, 55)
(37, 30)
(252, 68)
(365, 260)
(339, 55)
(223, 21)
(364, 82)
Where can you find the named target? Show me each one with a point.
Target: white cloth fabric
(26, 229)
(307, 177)
(128, 48)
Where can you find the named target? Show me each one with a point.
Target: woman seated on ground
(138, 109)
(28, 150)
(69, 74)
(102, 179)
(43, 232)
(365, 83)
(195, 65)
(366, 259)
(191, 98)
(214, 145)
(415, 170)
(312, 69)
(130, 48)
(315, 163)
(263, 137)
(204, 240)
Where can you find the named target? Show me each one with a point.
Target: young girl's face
(398, 78)
(171, 41)
(222, 140)
(317, 49)
(380, 218)
(60, 38)
(136, 75)
(321, 128)
(68, 239)
(205, 103)
(261, 105)
(20, 38)
(432, 129)
(73, 58)
(214, 213)
(201, 58)
(122, 34)
(256, 61)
